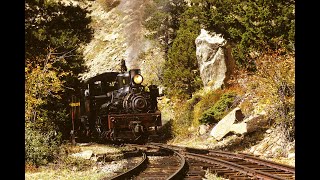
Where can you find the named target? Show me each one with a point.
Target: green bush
(218, 110)
(40, 147)
(184, 115)
(207, 101)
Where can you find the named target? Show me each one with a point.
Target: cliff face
(118, 34)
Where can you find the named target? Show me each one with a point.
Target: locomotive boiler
(116, 106)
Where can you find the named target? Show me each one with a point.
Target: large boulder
(235, 122)
(225, 125)
(250, 124)
(212, 55)
(256, 122)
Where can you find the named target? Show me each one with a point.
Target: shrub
(204, 108)
(218, 110)
(80, 164)
(276, 88)
(207, 100)
(166, 131)
(184, 115)
(40, 146)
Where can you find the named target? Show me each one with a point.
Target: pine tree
(252, 26)
(181, 75)
(53, 34)
(162, 19)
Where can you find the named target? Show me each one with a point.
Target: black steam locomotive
(115, 106)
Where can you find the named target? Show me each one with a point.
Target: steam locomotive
(115, 106)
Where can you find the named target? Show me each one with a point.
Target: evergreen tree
(53, 34)
(181, 75)
(162, 18)
(252, 26)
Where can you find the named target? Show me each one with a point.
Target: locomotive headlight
(137, 79)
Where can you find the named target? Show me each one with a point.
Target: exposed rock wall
(118, 35)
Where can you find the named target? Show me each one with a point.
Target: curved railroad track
(162, 161)
(233, 165)
(156, 164)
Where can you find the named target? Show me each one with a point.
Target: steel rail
(242, 156)
(180, 172)
(253, 159)
(135, 170)
(234, 166)
(183, 165)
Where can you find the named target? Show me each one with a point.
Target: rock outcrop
(212, 56)
(229, 124)
(203, 129)
(225, 125)
(274, 144)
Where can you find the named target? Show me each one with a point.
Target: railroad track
(133, 167)
(161, 161)
(233, 165)
(156, 164)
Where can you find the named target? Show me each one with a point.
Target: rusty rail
(133, 171)
(233, 166)
(236, 164)
(182, 169)
(253, 159)
(169, 169)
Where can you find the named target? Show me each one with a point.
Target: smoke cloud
(133, 31)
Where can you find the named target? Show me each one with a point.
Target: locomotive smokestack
(123, 66)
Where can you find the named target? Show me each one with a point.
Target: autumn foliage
(53, 34)
(274, 85)
(41, 82)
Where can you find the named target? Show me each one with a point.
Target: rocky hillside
(119, 35)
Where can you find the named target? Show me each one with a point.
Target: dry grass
(212, 176)
(64, 174)
(281, 160)
(100, 149)
(65, 168)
